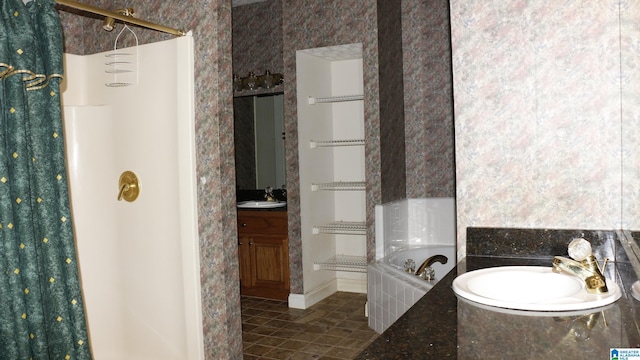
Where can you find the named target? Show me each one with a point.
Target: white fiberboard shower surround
(139, 260)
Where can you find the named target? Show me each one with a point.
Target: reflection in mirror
(259, 141)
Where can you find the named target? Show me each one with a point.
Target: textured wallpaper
(630, 106)
(257, 38)
(428, 99)
(537, 114)
(392, 125)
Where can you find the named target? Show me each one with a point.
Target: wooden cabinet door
(269, 262)
(263, 254)
(244, 261)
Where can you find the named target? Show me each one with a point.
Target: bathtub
(407, 229)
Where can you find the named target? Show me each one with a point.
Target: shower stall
(139, 260)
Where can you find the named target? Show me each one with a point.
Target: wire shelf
(332, 99)
(342, 227)
(340, 185)
(343, 263)
(333, 143)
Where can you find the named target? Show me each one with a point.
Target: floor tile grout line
(340, 306)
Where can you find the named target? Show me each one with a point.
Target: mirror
(259, 141)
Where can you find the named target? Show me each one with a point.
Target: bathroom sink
(261, 204)
(530, 288)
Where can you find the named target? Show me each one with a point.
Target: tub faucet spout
(425, 270)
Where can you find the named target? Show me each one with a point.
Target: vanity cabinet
(263, 254)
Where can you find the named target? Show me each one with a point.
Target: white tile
(408, 221)
(408, 296)
(386, 319)
(400, 292)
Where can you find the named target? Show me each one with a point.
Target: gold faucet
(425, 271)
(587, 269)
(268, 194)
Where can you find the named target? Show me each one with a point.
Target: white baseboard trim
(352, 285)
(304, 301)
(296, 301)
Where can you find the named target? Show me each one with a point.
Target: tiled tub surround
(391, 291)
(454, 328)
(411, 223)
(410, 228)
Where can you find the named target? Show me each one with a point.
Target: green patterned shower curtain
(41, 307)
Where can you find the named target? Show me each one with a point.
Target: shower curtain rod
(111, 14)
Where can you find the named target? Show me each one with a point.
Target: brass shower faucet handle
(129, 187)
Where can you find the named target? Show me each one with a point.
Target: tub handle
(129, 187)
(410, 266)
(123, 188)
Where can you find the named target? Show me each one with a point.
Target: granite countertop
(441, 325)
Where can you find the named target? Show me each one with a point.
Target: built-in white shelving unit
(341, 262)
(332, 170)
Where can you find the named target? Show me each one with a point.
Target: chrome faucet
(425, 270)
(585, 266)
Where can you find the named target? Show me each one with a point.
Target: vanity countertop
(258, 195)
(275, 209)
(441, 325)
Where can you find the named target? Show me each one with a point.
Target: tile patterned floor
(333, 329)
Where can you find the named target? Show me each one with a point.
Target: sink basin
(261, 204)
(530, 288)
